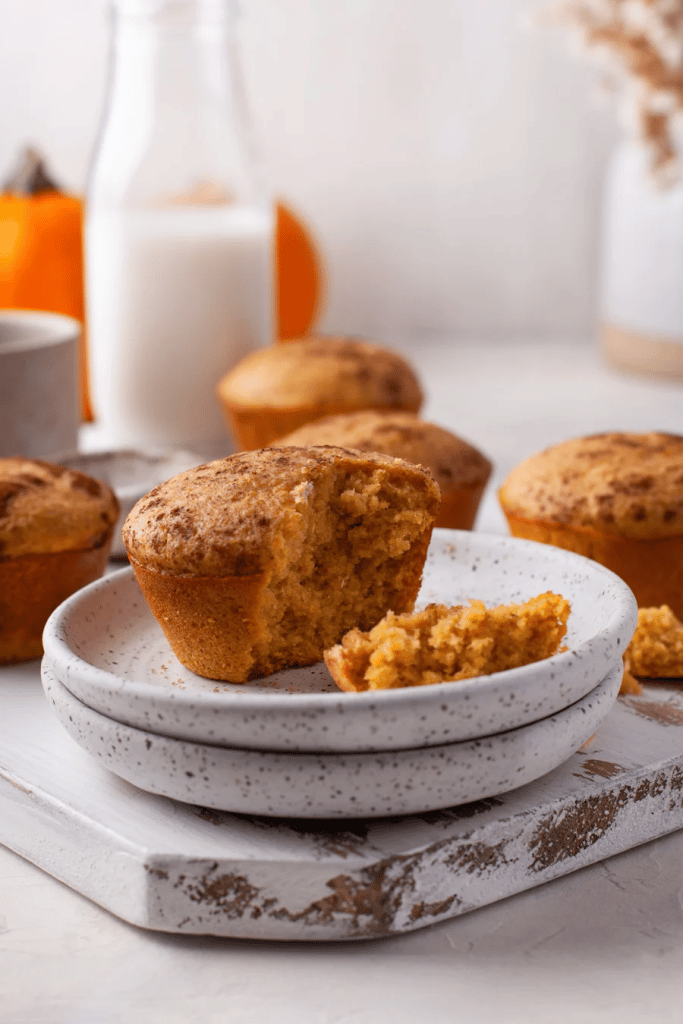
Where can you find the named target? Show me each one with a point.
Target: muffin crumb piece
(629, 685)
(656, 648)
(442, 644)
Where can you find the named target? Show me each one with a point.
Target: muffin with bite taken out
(259, 561)
(460, 469)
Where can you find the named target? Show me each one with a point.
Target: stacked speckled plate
(292, 744)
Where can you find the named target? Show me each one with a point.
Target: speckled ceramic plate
(333, 785)
(105, 646)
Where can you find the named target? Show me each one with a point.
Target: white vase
(641, 308)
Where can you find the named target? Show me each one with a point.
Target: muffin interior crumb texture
(442, 644)
(338, 564)
(656, 648)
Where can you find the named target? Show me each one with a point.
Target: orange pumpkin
(41, 248)
(299, 276)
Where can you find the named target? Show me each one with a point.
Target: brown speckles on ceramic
(177, 867)
(105, 646)
(329, 785)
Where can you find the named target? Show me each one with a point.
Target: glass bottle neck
(176, 123)
(179, 14)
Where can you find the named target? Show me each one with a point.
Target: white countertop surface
(603, 944)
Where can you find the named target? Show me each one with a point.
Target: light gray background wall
(449, 161)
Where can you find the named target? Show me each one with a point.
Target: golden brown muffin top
(46, 508)
(322, 371)
(453, 462)
(619, 483)
(225, 518)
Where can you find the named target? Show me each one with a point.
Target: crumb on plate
(441, 644)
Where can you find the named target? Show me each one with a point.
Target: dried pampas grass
(638, 44)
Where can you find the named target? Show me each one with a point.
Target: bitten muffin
(260, 561)
(56, 528)
(460, 470)
(276, 390)
(615, 497)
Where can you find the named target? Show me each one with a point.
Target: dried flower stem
(639, 45)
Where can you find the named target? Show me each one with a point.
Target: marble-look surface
(604, 944)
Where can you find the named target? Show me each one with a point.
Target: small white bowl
(130, 473)
(106, 647)
(333, 785)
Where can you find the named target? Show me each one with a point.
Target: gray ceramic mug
(39, 402)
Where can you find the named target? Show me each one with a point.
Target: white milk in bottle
(176, 296)
(179, 230)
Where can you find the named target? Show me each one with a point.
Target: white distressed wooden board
(178, 868)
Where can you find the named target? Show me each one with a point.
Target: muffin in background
(460, 470)
(276, 390)
(260, 561)
(615, 497)
(56, 528)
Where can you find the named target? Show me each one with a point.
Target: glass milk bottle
(179, 230)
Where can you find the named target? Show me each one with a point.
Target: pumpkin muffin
(615, 497)
(56, 528)
(441, 644)
(260, 561)
(276, 390)
(460, 470)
